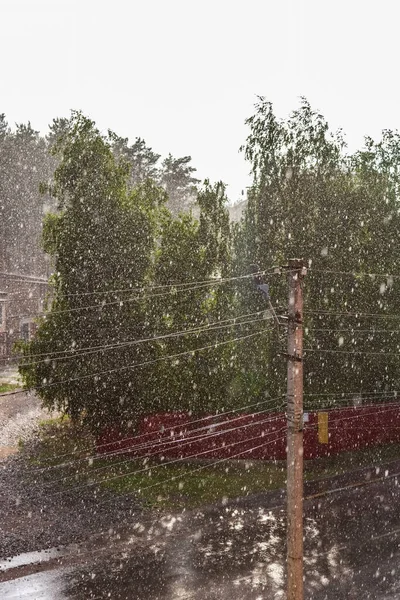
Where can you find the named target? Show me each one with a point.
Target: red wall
(352, 428)
(256, 436)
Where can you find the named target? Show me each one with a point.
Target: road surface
(352, 540)
(19, 415)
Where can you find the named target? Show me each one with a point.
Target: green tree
(102, 240)
(141, 159)
(192, 251)
(106, 239)
(310, 199)
(177, 179)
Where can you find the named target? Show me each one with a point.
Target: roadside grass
(350, 461)
(8, 387)
(172, 486)
(190, 485)
(59, 441)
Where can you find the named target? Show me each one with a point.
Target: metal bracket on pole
(293, 357)
(264, 289)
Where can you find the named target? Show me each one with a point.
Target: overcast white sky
(184, 74)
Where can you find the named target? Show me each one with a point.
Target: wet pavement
(352, 550)
(19, 415)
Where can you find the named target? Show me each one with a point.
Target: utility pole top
(299, 264)
(296, 262)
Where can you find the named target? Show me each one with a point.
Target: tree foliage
(177, 179)
(102, 240)
(340, 212)
(119, 234)
(111, 242)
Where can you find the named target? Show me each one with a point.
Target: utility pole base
(295, 578)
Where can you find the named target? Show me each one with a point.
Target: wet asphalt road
(352, 550)
(19, 414)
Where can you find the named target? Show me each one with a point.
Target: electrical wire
(359, 314)
(175, 461)
(357, 544)
(390, 408)
(182, 442)
(212, 281)
(102, 305)
(150, 339)
(189, 437)
(76, 353)
(353, 273)
(371, 399)
(351, 331)
(156, 445)
(343, 403)
(171, 428)
(348, 393)
(135, 366)
(172, 289)
(359, 352)
(173, 286)
(207, 466)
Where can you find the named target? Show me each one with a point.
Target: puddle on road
(177, 567)
(38, 557)
(50, 585)
(230, 555)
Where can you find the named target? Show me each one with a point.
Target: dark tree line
(341, 212)
(116, 237)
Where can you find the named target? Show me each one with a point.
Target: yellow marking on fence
(323, 435)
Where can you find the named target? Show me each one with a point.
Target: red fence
(257, 436)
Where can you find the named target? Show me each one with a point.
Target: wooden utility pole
(295, 433)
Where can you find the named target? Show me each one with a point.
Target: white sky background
(184, 74)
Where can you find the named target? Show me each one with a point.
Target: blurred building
(24, 274)
(236, 211)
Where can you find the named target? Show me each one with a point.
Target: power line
(213, 464)
(350, 331)
(158, 445)
(151, 339)
(84, 348)
(362, 483)
(146, 363)
(206, 282)
(359, 314)
(373, 410)
(182, 442)
(172, 427)
(390, 407)
(353, 273)
(349, 393)
(373, 538)
(359, 352)
(371, 402)
(77, 352)
(344, 403)
(173, 286)
(357, 484)
(175, 461)
(172, 289)
(166, 440)
(119, 302)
